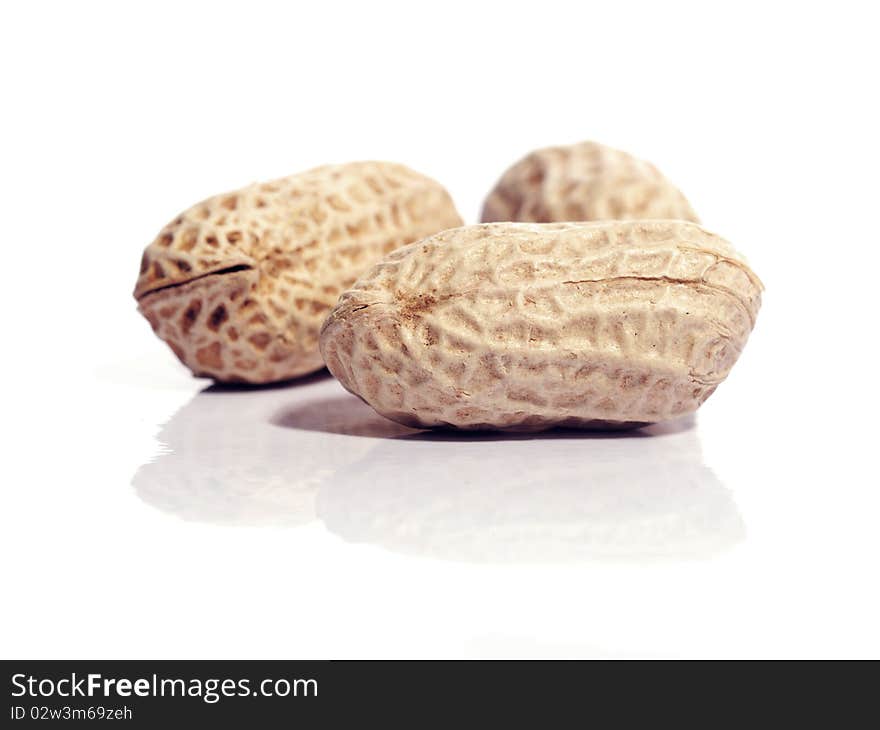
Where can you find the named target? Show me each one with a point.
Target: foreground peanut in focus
(527, 326)
(584, 182)
(239, 285)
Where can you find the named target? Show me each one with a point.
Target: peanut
(527, 326)
(583, 182)
(239, 284)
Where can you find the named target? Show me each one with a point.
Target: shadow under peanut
(342, 414)
(345, 414)
(303, 380)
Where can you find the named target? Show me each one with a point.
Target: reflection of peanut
(239, 284)
(583, 182)
(527, 326)
(226, 461)
(561, 499)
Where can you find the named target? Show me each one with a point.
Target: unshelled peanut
(528, 326)
(584, 182)
(239, 285)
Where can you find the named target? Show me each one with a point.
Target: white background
(143, 519)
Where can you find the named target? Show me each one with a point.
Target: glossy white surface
(147, 514)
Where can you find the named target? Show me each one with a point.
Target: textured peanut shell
(527, 326)
(239, 285)
(584, 182)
